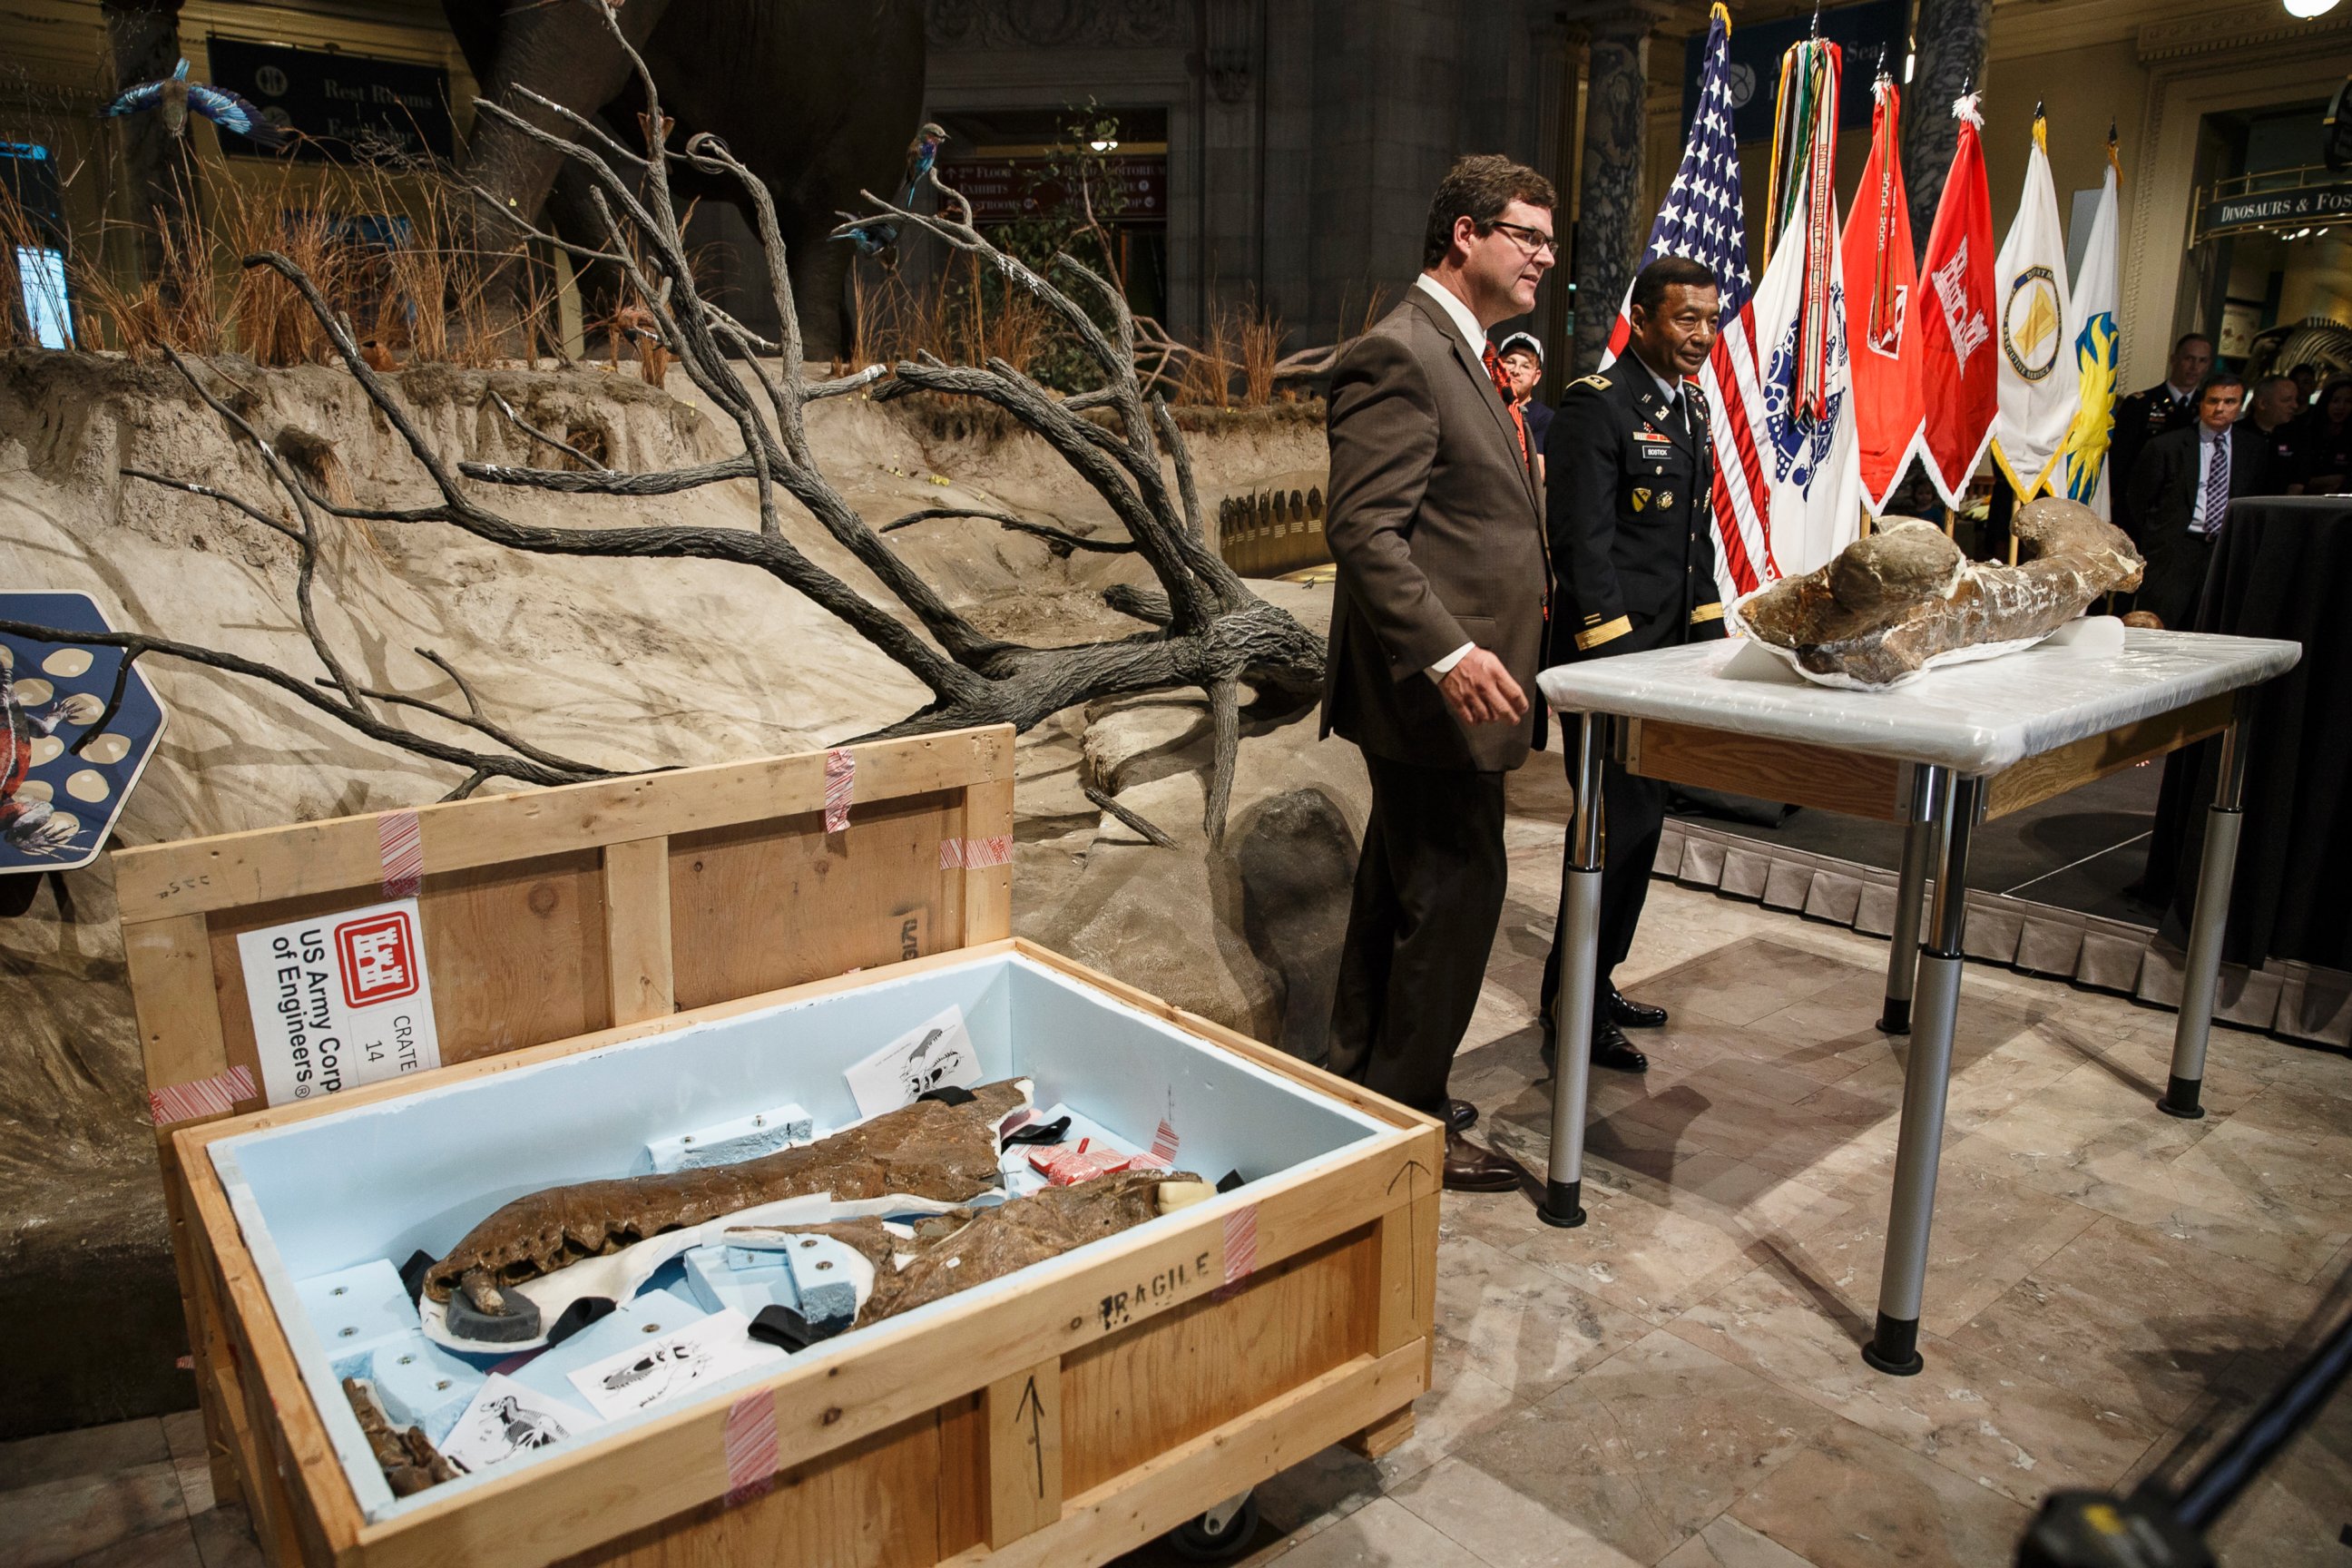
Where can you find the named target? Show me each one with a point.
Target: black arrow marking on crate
(1034, 1408)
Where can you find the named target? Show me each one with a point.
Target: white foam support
(732, 1140)
(421, 1384)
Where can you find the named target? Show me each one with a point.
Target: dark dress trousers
(2137, 420)
(1437, 525)
(2164, 486)
(1633, 539)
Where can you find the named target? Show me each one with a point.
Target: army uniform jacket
(1633, 532)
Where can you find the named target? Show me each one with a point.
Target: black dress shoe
(1628, 1014)
(1470, 1169)
(1460, 1116)
(1611, 1049)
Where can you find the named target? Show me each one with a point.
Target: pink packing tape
(211, 1096)
(400, 851)
(1163, 1146)
(1241, 1244)
(840, 784)
(751, 1450)
(975, 854)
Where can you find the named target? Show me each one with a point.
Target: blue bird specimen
(872, 236)
(173, 97)
(922, 152)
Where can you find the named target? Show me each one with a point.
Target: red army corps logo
(378, 959)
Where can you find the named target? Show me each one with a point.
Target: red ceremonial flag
(1959, 382)
(1881, 280)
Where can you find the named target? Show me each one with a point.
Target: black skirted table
(2281, 568)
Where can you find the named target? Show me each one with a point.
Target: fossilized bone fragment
(1892, 601)
(409, 1460)
(927, 1150)
(964, 1248)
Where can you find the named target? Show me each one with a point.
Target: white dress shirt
(1473, 337)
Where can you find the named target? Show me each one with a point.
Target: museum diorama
(821, 783)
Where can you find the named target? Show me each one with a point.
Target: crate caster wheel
(1223, 1532)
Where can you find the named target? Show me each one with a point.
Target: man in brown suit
(1436, 523)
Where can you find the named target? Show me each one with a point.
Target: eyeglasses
(1534, 241)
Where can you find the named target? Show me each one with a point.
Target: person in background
(1523, 362)
(1632, 539)
(1436, 526)
(2181, 491)
(2307, 385)
(2140, 419)
(2326, 441)
(2271, 410)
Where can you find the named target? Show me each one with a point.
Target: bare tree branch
(1061, 539)
(1135, 820)
(535, 434)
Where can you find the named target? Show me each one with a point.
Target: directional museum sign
(345, 103)
(2269, 209)
(66, 765)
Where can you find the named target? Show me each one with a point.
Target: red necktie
(1503, 385)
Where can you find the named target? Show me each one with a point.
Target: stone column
(1950, 44)
(1610, 225)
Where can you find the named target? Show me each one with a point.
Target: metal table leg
(2206, 923)
(1579, 962)
(1895, 1348)
(1918, 850)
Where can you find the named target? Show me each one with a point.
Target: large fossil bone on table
(1890, 602)
(927, 1150)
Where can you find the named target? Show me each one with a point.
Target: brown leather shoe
(1470, 1169)
(1460, 1115)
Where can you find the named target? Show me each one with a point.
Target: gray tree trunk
(1950, 41)
(143, 39)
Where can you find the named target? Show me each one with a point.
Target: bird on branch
(175, 95)
(872, 236)
(922, 153)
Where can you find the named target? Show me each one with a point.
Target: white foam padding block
(421, 1384)
(655, 1313)
(719, 1280)
(728, 1142)
(352, 1310)
(825, 1272)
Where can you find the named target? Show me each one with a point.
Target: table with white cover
(1940, 752)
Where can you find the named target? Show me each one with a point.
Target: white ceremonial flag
(1812, 462)
(2039, 390)
(2083, 473)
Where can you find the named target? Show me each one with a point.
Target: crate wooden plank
(271, 864)
(988, 888)
(637, 974)
(1023, 1422)
(1155, 1497)
(1210, 1360)
(759, 906)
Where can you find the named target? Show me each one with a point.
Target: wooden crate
(1114, 1396)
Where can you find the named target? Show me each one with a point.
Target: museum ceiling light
(2307, 9)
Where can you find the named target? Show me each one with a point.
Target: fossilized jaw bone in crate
(927, 1150)
(1890, 602)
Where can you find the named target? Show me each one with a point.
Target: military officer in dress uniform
(2170, 404)
(1632, 544)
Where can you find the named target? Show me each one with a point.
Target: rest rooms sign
(339, 1001)
(2311, 203)
(371, 106)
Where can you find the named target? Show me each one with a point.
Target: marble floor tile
(1526, 1521)
(1728, 1544)
(1380, 1534)
(1460, 1403)
(1744, 982)
(1512, 1324)
(1642, 1257)
(2310, 1115)
(92, 1450)
(1850, 1497)
(58, 1521)
(2136, 1322)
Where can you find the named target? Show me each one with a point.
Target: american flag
(1703, 220)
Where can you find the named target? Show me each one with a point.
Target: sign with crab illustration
(66, 764)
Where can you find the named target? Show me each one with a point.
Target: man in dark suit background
(1632, 537)
(2170, 404)
(1436, 524)
(2181, 490)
